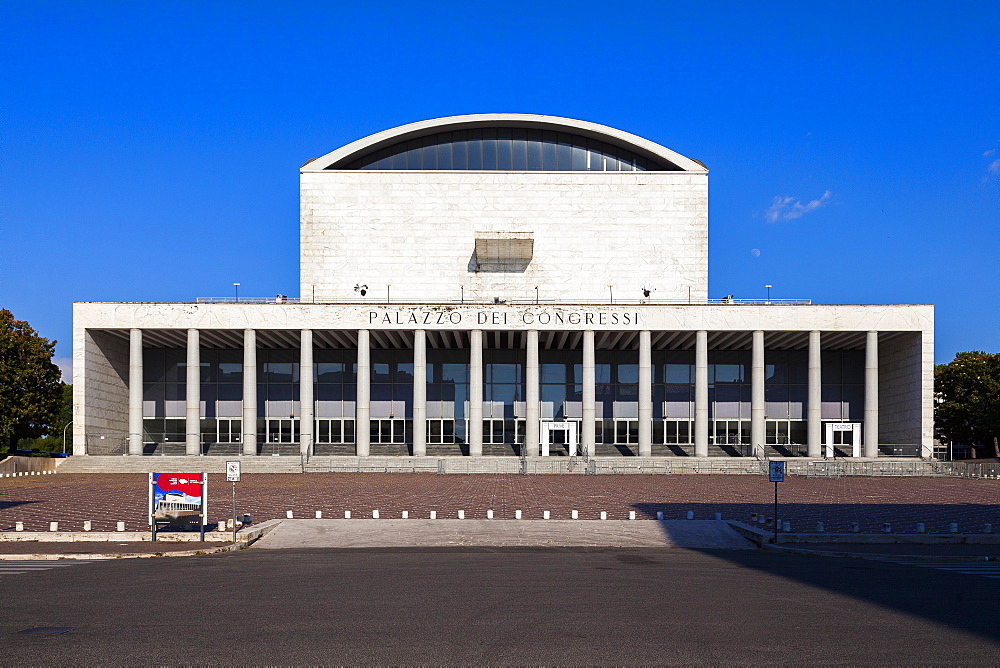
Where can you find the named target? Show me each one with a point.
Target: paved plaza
(106, 499)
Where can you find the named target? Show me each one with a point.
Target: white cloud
(994, 167)
(788, 208)
(65, 365)
(988, 153)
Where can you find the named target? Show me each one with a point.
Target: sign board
(842, 426)
(776, 472)
(232, 471)
(178, 498)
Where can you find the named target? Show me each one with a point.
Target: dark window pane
(475, 149)
(489, 153)
(520, 161)
(458, 150)
(444, 160)
(549, 143)
(504, 157)
(429, 154)
(579, 157)
(534, 150)
(564, 157)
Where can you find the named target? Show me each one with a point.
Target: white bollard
(86, 525)
(718, 516)
(987, 528)
(374, 514)
(886, 527)
(53, 526)
(434, 515)
(461, 514)
(761, 519)
(319, 514)
(659, 514)
(121, 526)
(604, 515)
(819, 527)
(953, 527)
(855, 527)
(690, 514)
(405, 514)
(631, 514)
(920, 527)
(229, 523)
(347, 514)
(545, 514)
(18, 526)
(489, 514)
(221, 526)
(575, 515)
(288, 514)
(517, 514)
(786, 526)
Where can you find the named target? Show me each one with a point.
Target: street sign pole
(775, 512)
(233, 476)
(776, 474)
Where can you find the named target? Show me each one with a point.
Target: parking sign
(776, 472)
(232, 471)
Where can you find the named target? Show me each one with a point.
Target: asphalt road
(498, 606)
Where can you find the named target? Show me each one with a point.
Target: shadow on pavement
(962, 601)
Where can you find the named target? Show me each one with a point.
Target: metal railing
(376, 301)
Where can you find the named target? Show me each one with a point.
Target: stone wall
(104, 371)
(900, 389)
(416, 231)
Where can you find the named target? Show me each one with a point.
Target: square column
(419, 393)
(814, 400)
(531, 426)
(249, 392)
(757, 414)
(307, 420)
(476, 393)
(362, 413)
(871, 395)
(588, 441)
(701, 394)
(192, 413)
(645, 395)
(135, 392)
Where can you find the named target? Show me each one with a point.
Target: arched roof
(661, 157)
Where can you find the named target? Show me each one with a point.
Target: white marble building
(499, 285)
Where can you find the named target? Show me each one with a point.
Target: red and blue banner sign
(178, 498)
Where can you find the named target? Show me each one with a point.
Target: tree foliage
(31, 391)
(968, 396)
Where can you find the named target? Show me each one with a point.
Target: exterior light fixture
(237, 286)
(768, 293)
(361, 289)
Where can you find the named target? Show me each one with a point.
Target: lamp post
(64, 435)
(768, 293)
(237, 286)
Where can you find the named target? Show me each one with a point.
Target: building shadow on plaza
(963, 601)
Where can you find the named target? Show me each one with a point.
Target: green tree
(30, 386)
(968, 399)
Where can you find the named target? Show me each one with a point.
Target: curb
(245, 538)
(875, 556)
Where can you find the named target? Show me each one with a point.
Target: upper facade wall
(416, 231)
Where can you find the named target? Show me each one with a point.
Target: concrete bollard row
(631, 514)
(319, 514)
(489, 514)
(517, 514)
(405, 514)
(575, 515)
(461, 514)
(374, 514)
(434, 514)
(121, 526)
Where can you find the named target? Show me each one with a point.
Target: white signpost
(233, 476)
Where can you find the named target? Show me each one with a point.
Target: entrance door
(843, 435)
(559, 435)
(282, 430)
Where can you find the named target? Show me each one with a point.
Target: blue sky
(150, 151)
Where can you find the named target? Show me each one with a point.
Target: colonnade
(532, 419)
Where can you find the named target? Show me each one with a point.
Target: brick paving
(106, 499)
